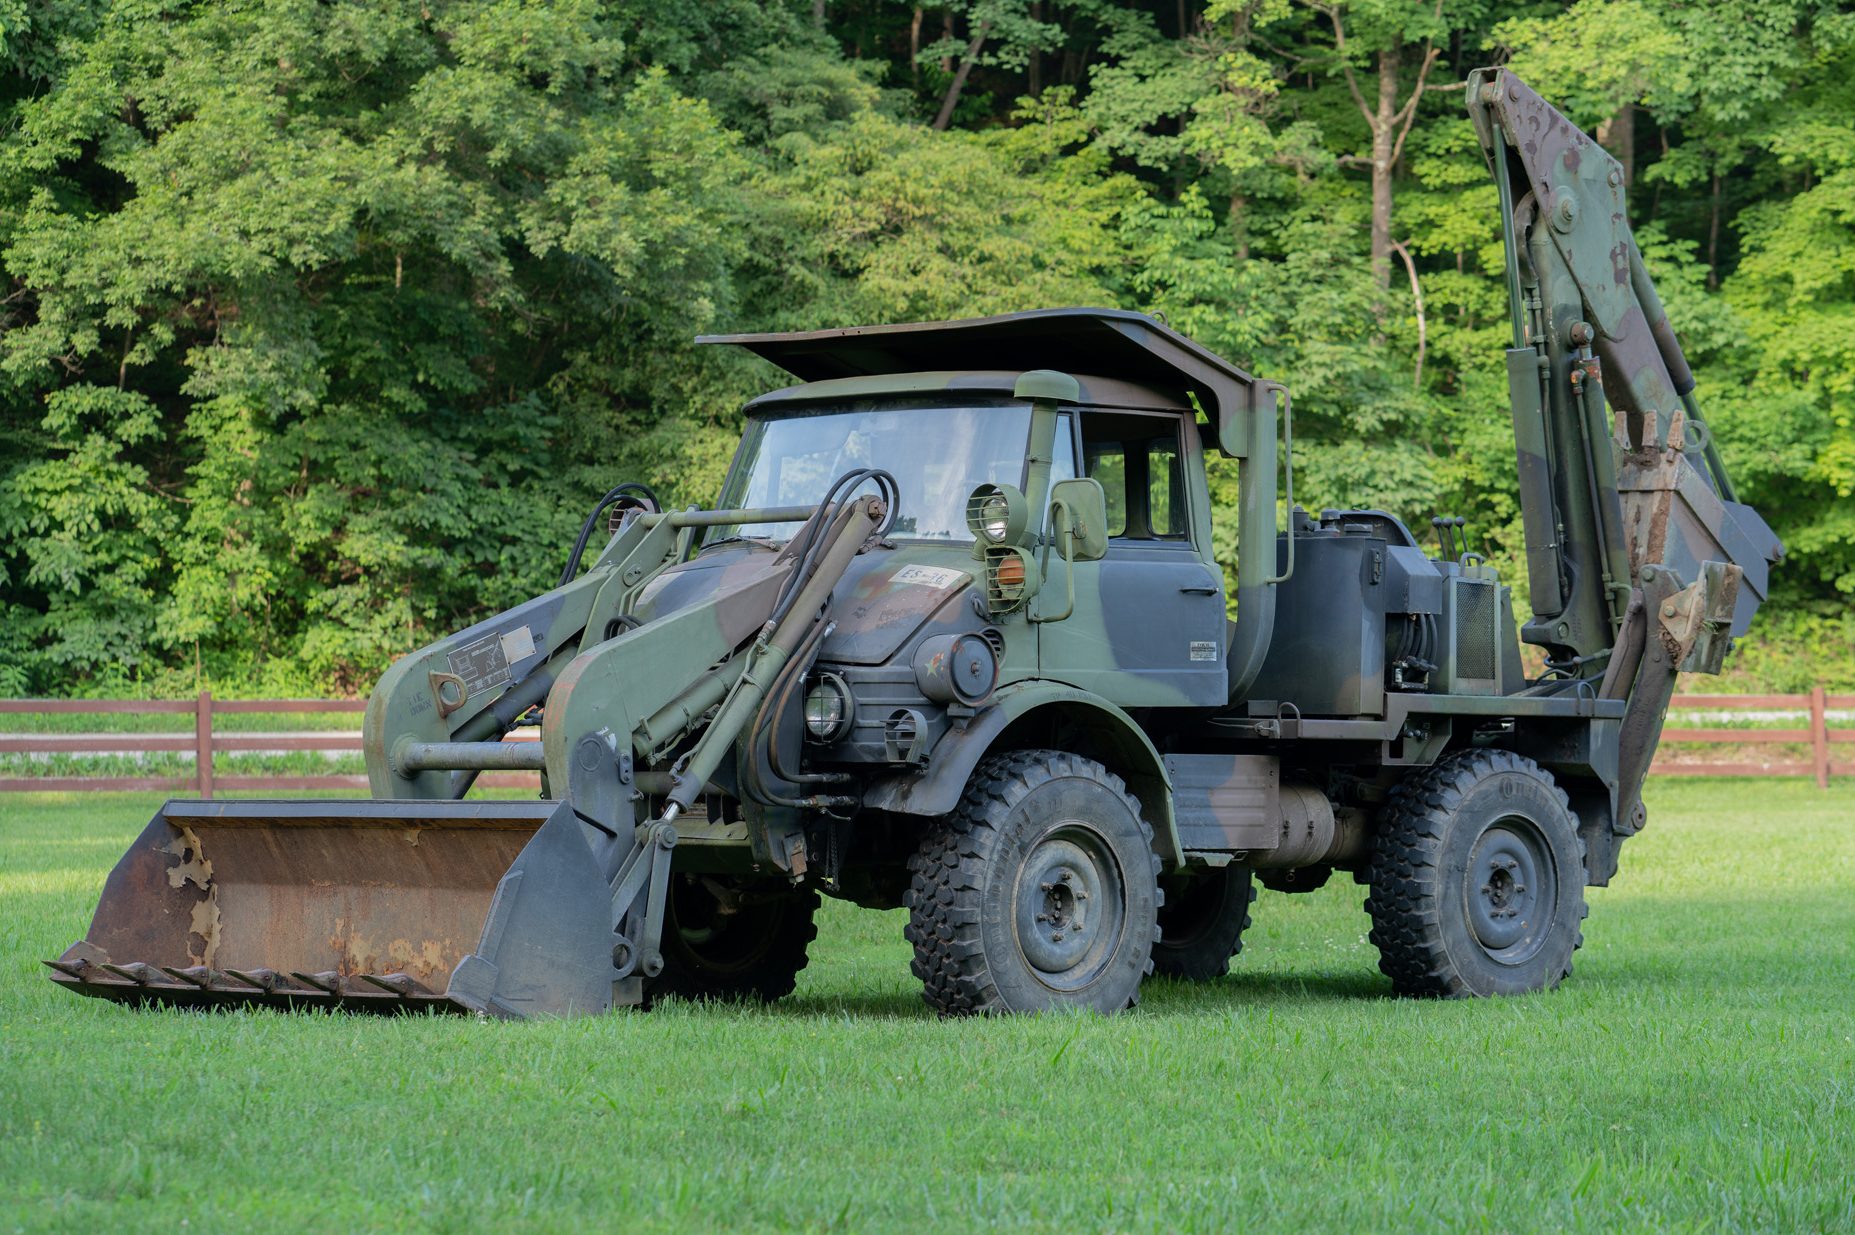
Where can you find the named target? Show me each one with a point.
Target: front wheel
(732, 941)
(1477, 879)
(1039, 891)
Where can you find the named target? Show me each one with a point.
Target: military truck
(954, 638)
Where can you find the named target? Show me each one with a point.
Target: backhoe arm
(1640, 561)
(1601, 502)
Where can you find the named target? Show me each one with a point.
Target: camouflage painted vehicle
(955, 639)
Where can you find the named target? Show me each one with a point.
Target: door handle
(1202, 589)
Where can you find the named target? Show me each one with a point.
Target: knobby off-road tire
(754, 953)
(1039, 891)
(1477, 879)
(1202, 922)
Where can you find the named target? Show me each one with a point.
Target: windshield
(937, 456)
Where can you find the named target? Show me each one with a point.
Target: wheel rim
(1512, 890)
(1070, 907)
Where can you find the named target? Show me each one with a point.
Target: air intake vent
(1476, 623)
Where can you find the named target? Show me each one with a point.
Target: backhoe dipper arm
(1589, 329)
(1640, 561)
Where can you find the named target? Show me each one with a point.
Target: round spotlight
(996, 515)
(828, 708)
(995, 518)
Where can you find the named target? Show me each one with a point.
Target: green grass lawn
(1697, 1072)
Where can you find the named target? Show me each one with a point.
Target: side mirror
(1078, 530)
(1079, 520)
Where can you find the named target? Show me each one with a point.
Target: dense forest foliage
(321, 323)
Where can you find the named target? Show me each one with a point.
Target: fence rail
(204, 743)
(1819, 736)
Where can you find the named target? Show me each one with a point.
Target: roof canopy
(1109, 342)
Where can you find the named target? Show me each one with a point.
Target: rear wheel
(731, 941)
(1202, 922)
(1477, 879)
(1039, 891)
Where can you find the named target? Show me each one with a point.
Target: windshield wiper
(764, 542)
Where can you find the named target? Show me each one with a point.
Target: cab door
(1148, 627)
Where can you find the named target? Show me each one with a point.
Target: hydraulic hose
(849, 531)
(811, 538)
(592, 522)
(810, 542)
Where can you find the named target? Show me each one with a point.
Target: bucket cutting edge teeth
(402, 984)
(135, 971)
(327, 982)
(267, 980)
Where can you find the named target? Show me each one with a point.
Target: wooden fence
(204, 743)
(1819, 737)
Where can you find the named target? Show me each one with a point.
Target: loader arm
(1640, 561)
(416, 900)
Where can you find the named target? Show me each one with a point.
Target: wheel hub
(1067, 908)
(1512, 890)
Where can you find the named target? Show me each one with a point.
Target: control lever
(1450, 537)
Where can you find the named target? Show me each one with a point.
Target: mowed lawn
(1696, 1073)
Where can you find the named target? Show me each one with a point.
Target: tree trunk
(914, 45)
(1384, 136)
(946, 31)
(1033, 71)
(952, 99)
(1618, 135)
(1713, 233)
(818, 13)
(1239, 226)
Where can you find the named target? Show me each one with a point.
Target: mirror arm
(1066, 533)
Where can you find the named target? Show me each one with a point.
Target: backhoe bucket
(493, 907)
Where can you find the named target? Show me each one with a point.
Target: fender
(1029, 710)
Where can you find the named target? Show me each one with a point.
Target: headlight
(996, 515)
(828, 709)
(995, 518)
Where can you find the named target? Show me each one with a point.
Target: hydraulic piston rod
(410, 757)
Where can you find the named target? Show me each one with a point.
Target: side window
(1136, 458)
(1063, 460)
(1165, 487)
(1108, 465)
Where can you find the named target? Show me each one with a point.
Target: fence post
(1819, 735)
(203, 744)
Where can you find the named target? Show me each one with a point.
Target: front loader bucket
(372, 905)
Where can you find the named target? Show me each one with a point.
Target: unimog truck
(954, 639)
